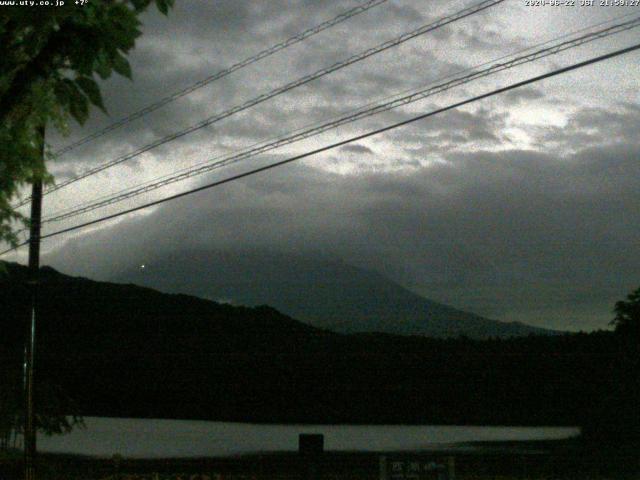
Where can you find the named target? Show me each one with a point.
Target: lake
(151, 438)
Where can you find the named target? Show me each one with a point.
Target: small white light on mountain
(142, 267)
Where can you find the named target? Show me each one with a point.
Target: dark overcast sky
(521, 207)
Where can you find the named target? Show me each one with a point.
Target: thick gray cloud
(521, 207)
(355, 148)
(523, 95)
(593, 127)
(513, 235)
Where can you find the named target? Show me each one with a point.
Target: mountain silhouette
(315, 290)
(130, 351)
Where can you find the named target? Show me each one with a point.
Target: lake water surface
(149, 438)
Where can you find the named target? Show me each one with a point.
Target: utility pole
(30, 339)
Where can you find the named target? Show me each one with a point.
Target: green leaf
(80, 110)
(102, 69)
(140, 5)
(121, 65)
(78, 103)
(163, 6)
(91, 90)
(82, 55)
(122, 27)
(61, 91)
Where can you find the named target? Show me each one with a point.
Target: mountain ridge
(318, 291)
(129, 351)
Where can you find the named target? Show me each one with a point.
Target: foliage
(52, 412)
(627, 319)
(615, 415)
(54, 407)
(129, 351)
(49, 59)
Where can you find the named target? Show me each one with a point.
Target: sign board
(416, 467)
(310, 443)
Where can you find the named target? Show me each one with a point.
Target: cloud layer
(522, 207)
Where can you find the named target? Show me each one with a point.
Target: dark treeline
(123, 350)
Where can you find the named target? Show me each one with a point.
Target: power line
(217, 76)
(314, 125)
(358, 115)
(466, 12)
(306, 132)
(347, 141)
(223, 73)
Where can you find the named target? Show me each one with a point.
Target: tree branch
(45, 61)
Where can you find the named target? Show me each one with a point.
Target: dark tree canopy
(49, 59)
(627, 319)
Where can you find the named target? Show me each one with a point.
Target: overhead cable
(223, 73)
(356, 138)
(357, 115)
(278, 91)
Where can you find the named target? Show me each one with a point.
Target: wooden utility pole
(30, 338)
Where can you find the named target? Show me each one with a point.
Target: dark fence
(330, 465)
(311, 466)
